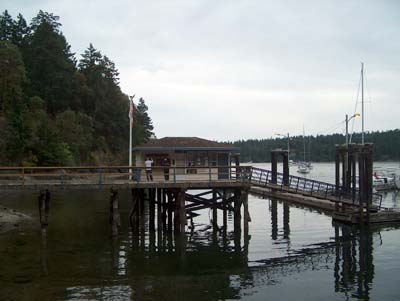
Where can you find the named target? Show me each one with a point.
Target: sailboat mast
(304, 145)
(362, 102)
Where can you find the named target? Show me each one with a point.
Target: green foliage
(59, 115)
(12, 75)
(76, 130)
(6, 26)
(144, 125)
(50, 65)
(53, 113)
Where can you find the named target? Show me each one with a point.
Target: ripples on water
(291, 253)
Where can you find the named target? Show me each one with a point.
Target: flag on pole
(131, 111)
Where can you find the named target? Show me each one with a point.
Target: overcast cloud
(228, 70)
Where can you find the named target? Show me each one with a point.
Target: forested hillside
(320, 148)
(57, 108)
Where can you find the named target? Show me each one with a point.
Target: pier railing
(295, 184)
(120, 175)
(108, 175)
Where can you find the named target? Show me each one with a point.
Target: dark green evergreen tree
(143, 123)
(49, 63)
(52, 113)
(12, 75)
(6, 26)
(20, 31)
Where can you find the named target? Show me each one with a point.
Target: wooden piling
(337, 171)
(44, 207)
(361, 186)
(225, 211)
(170, 209)
(214, 210)
(164, 209)
(237, 220)
(114, 212)
(285, 157)
(246, 214)
(274, 168)
(274, 219)
(159, 209)
(133, 215)
(152, 208)
(286, 221)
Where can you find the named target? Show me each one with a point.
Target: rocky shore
(11, 219)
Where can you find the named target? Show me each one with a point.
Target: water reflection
(83, 261)
(273, 208)
(209, 262)
(354, 267)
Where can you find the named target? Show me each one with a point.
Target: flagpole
(130, 134)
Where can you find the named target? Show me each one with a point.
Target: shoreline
(11, 219)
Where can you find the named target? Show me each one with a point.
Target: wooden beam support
(114, 219)
(152, 209)
(44, 207)
(214, 210)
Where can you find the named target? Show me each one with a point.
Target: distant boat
(303, 167)
(384, 182)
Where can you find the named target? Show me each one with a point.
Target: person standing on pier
(148, 163)
(166, 164)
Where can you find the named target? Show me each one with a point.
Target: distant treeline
(320, 148)
(57, 109)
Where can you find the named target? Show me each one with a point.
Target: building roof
(184, 143)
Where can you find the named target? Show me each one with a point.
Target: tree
(46, 18)
(12, 75)
(76, 130)
(52, 113)
(20, 30)
(104, 101)
(143, 123)
(49, 63)
(6, 26)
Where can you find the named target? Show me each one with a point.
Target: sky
(230, 70)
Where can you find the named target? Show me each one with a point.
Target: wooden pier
(174, 201)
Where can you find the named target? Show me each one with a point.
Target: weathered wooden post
(225, 211)
(180, 212)
(133, 215)
(152, 208)
(44, 207)
(353, 176)
(237, 219)
(274, 168)
(114, 212)
(286, 221)
(164, 209)
(285, 156)
(337, 170)
(214, 210)
(159, 209)
(246, 214)
(274, 219)
(170, 204)
(369, 172)
(361, 174)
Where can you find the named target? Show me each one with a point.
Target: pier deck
(344, 206)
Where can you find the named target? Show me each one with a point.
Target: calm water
(291, 254)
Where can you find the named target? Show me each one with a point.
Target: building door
(223, 160)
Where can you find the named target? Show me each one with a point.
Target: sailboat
(303, 168)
